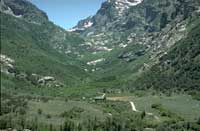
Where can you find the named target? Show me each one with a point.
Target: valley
(133, 66)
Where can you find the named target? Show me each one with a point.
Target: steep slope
(124, 39)
(133, 45)
(23, 9)
(39, 49)
(179, 69)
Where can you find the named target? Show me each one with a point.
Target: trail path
(133, 107)
(150, 114)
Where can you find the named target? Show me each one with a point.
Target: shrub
(195, 95)
(39, 111)
(48, 116)
(143, 115)
(22, 111)
(156, 106)
(45, 99)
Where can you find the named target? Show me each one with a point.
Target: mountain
(111, 27)
(23, 9)
(38, 49)
(150, 15)
(134, 35)
(179, 69)
(133, 66)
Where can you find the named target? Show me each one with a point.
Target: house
(100, 98)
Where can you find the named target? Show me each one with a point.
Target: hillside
(133, 66)
(133, 36)
(177, 69)
(38, 47)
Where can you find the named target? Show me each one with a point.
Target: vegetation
(34, 53)
(179, 69)
(50, 87)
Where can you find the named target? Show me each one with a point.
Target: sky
(67, 13)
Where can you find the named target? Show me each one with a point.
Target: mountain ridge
(153, 26)
(127, 41)
(58, 80)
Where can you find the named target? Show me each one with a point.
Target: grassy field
(55, 108)
(182, 105)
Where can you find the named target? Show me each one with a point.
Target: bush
(48, 116)
(66, 99)
(195, 95)
(156, 106)
(74, 112)
(143, 115)
(39, 111)
(45, 99)
(22, 111)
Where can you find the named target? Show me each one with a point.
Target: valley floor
(151, 109)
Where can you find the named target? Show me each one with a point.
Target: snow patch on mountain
(128, 2)
(122, 5)
(102, 48)
(123, 45)
(88, 24)
(75, 29)
(133, 2)
(95, 61)
(72, 29)
(85, 26)
(7, 10)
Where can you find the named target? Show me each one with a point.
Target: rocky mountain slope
(134, 34)
(115, 47)
(23, 9)
(179, 68)
(143, 53)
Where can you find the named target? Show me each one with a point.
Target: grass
(56, 107)
(32, 48)
(79, 110)
(182, 105)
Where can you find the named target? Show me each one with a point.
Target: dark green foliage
(150, 13)
(143, 115)
(195, 95)
(166, 113)
(11, 103)
(73, 113)
(180, 68)
(163, 20)
(48, 116)
(34, 43)
(39, 111)
(69, 126)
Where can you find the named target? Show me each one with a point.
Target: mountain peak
(23, 9)
(122, 5)
(126, 2)
(110, 11)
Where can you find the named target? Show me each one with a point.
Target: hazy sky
(66, 13)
